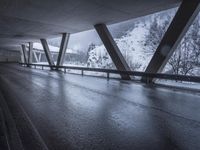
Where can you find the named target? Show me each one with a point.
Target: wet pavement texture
(88, 113)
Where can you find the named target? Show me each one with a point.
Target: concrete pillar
(35, 56)
(22, 56)
(47, 52)
(40, 56)
(30, 53)
(24, 53)
(112, 49)
(63, 48)
(184, 17)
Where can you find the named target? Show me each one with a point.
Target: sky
(81, 40)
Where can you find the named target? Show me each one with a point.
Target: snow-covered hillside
(139, 42)
(132, 47)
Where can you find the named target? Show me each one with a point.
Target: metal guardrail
(131, 73)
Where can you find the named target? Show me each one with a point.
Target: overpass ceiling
(29, 20)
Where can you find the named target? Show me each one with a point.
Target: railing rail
(131, 73)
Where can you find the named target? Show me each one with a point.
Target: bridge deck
(74, 112)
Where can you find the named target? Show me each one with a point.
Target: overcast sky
(81, 40)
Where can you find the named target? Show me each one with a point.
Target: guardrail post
(24, 53)
(30, 53)
(108, 75)
(82, 73)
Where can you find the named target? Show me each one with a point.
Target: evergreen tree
(91, 55)
(156, 33)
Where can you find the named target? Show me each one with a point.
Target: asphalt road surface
(74, 112)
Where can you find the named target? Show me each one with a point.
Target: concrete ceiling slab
(27, 20)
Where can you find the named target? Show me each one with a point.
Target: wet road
(87, 113)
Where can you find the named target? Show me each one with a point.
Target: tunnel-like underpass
(52, 110)
(57, 111)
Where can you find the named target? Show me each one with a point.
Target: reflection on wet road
(80, 112)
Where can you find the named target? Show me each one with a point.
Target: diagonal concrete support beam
(63, 49)
(30, 53)
(22, 56)
(35, 56)
(24, 53)
(183, 19)
(39, 57)
(112, 49)
(47, 52)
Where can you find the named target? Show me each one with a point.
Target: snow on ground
(38, 46)
(180, 84)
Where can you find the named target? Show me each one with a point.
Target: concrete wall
(9, 56)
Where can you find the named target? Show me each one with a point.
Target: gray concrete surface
(86, 113)
(30, 20)
(3, 140)
(8, 55)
